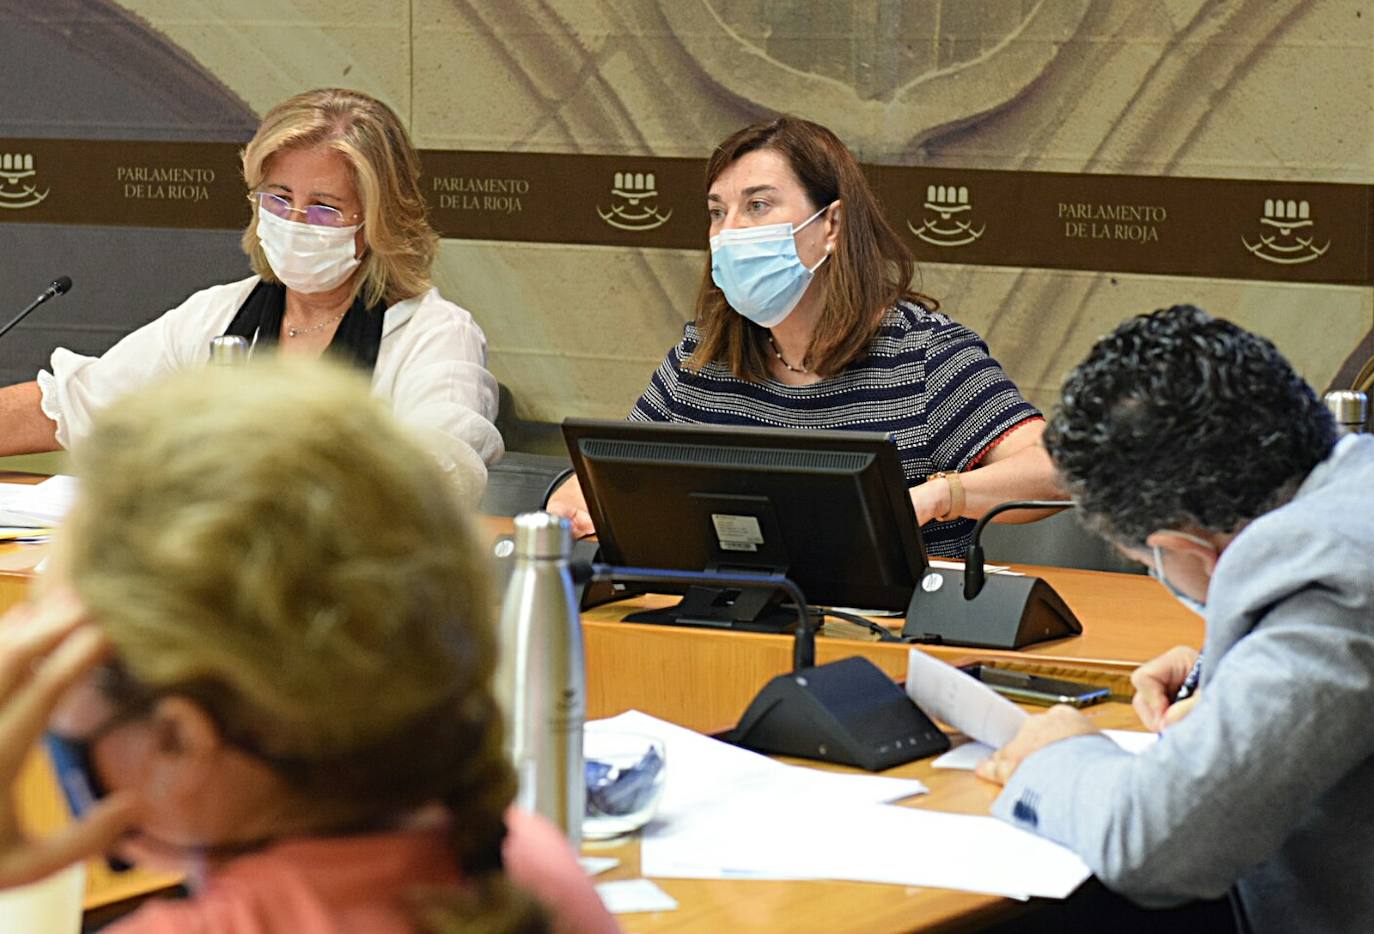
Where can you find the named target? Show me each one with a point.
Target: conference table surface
(703, 679)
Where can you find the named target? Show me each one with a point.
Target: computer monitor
(828, 509)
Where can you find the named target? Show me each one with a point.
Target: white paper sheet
(596, 865)
(9, 491)
(728, 813)
(865, 843)
(968, 755)
(629, 895)
(704, 771)
(965, 703)
(987, 568)
(43, 503)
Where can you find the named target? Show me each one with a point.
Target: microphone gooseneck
(974, 576)
(56, 287)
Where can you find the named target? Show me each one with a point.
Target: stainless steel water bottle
(1349, 408)
(541, 679)
(228, 350)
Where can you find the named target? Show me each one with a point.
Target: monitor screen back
(829, 509)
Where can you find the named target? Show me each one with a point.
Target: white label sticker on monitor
(737, 533)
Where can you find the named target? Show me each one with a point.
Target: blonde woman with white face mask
(342, 249)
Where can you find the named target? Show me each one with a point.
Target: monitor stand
(754, 609)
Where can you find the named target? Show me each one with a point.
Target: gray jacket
(1268, 784)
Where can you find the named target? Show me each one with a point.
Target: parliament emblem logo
(634, 203)
(948, 221)
(1287, 236)
(17, 187)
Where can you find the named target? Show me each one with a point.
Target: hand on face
(1039, 731)
(45, 648)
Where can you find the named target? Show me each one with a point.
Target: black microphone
(56, 287)
(974, 578)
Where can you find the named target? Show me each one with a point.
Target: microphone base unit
(1011, 612)
(848, 712)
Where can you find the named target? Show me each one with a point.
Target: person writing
(277, 659)
(1192, 445)
(342, 249)
(805, 319)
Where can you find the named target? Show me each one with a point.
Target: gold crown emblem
(17, 163)
(940, 227)
(634, 185)
(1287, 238)
(947, 199)
(15, 191)
(633, 205)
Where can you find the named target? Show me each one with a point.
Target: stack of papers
(39, 505)
(727, 813)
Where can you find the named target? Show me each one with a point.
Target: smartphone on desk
(1037, 689)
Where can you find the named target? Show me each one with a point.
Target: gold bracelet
(956, 493)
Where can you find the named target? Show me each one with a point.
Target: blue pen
(1190, 680)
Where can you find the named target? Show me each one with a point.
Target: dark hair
(870, 270)
(1180, 420)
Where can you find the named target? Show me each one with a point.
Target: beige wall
(1240, 89)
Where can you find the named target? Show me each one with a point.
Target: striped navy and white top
(926, 381)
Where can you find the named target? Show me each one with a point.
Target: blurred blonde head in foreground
(265, 543)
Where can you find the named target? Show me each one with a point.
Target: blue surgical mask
(759, 271)
(1157, 572)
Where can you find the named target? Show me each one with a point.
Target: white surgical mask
(759, 271)
(1157, 572)
(306, 257)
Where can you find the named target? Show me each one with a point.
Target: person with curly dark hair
(1196, 449)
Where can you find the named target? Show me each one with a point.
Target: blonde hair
(266, 541)
(386, 172)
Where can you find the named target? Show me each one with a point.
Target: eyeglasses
(316, 215)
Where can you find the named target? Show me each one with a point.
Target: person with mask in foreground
(805, 319)
(342, 249)
(1195, 448)
(278, 659)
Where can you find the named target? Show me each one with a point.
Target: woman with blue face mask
(341, 249)
(805, 318)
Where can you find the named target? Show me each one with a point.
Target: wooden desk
(703, 679)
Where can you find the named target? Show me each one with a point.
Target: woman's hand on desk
(1059, 722)
(1157, 683)
(44, 648)
(568, 501)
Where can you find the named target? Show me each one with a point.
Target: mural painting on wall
(1015, 133)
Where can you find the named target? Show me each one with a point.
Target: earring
(830, 248)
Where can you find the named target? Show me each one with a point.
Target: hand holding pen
(1165, 687)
